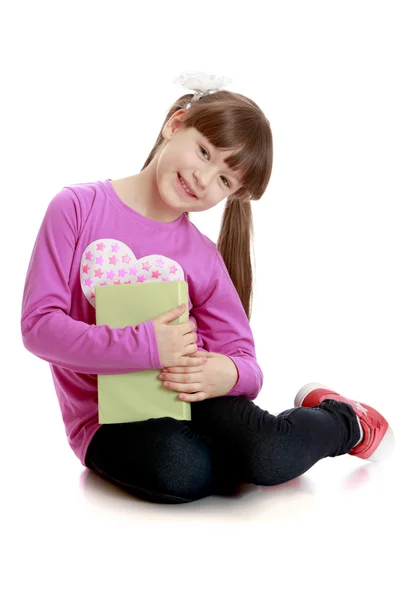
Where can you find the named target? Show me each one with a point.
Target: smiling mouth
(185, 187)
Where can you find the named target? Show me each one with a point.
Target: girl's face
(188, 154)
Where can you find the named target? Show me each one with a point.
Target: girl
(211, 146)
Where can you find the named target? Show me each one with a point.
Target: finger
(198, 397)
(190, 365)
(180, 377)
(186, 388)
(203, 353)
(183, 369)
(190, 360)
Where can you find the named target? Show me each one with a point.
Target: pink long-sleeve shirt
(89, 237)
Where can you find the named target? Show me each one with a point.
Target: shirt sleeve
(224, 328)
(48, 330)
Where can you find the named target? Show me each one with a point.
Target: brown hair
(231, 121)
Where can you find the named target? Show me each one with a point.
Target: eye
(202, 149)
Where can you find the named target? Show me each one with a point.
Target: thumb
(171, 314)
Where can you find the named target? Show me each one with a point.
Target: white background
(85, 89)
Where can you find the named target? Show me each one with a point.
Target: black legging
(230, 440)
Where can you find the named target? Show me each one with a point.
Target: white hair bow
(201, 83)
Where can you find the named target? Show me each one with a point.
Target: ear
(174, 123)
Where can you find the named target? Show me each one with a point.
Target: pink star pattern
(146, 265)
(145, 269)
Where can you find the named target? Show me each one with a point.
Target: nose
(203, 177)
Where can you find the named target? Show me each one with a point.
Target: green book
(140, 395)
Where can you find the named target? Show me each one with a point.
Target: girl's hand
(215, 378)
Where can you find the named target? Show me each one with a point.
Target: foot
(378, 438)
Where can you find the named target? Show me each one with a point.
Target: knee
(270, 460)
(183, 467)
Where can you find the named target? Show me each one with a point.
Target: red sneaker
(378, 441)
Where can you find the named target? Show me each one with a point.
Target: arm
(48, 330)
(225, 329)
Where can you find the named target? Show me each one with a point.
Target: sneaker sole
(384, 449)
(305, 390)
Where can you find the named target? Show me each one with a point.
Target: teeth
(185, 186)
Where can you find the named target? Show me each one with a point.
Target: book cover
(140, 395)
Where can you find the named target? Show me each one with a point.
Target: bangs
(233, 123)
